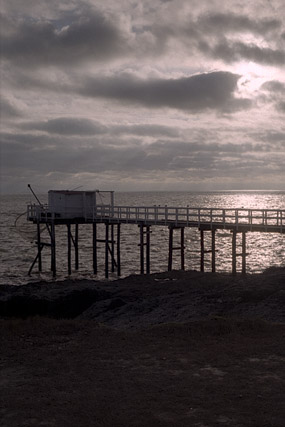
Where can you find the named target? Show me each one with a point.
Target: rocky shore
(140, 301)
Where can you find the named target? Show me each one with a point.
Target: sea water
(18, 236)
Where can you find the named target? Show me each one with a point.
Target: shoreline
(144, 300)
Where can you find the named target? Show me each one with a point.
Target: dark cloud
(276, 92)
(214, 91)
(8, 110)
(146, 130)
(235, 51)
(66, 126)
(232, 23)
(281, 106)
(212, 34)
(65, 62)
(274, 86)
(74, 155)
(87, 37)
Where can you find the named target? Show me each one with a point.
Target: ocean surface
(18, 248)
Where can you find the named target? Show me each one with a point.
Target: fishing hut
(75, 208)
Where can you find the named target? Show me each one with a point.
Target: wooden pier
(176, 219)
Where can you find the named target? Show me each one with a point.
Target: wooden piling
(76, 247)
(118, 249)
(39, 246)
(234, 252)
(182, 248)
(112, 248)
(53, 249)
(202, 250)
(170, 249)
(69, 249)
(106, 250)
(213, 251)
(95, 268)
(141, 248)
(243, 252)
(148, 249)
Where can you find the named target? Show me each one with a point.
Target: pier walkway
(262, 220)
(175, 218)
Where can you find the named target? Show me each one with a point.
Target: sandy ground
(170, 349)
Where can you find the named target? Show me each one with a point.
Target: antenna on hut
(34, 194)
(76, 188)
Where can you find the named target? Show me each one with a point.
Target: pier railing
(188, 216)
(167, 215)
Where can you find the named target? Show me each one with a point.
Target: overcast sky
(142, 95)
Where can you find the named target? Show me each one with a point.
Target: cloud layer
(142, 95)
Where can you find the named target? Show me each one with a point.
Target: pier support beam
(95, 268)
(112, 248)
(76, 247)
(234, 252)
(243, 252)
(172, 248)
(72, 240)
(106, 250)
(39, 246)
(69, 248)
(213, 251)
(202, 250)
(144, 248)
(109, 244)
(119, 250)
(53, 249)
